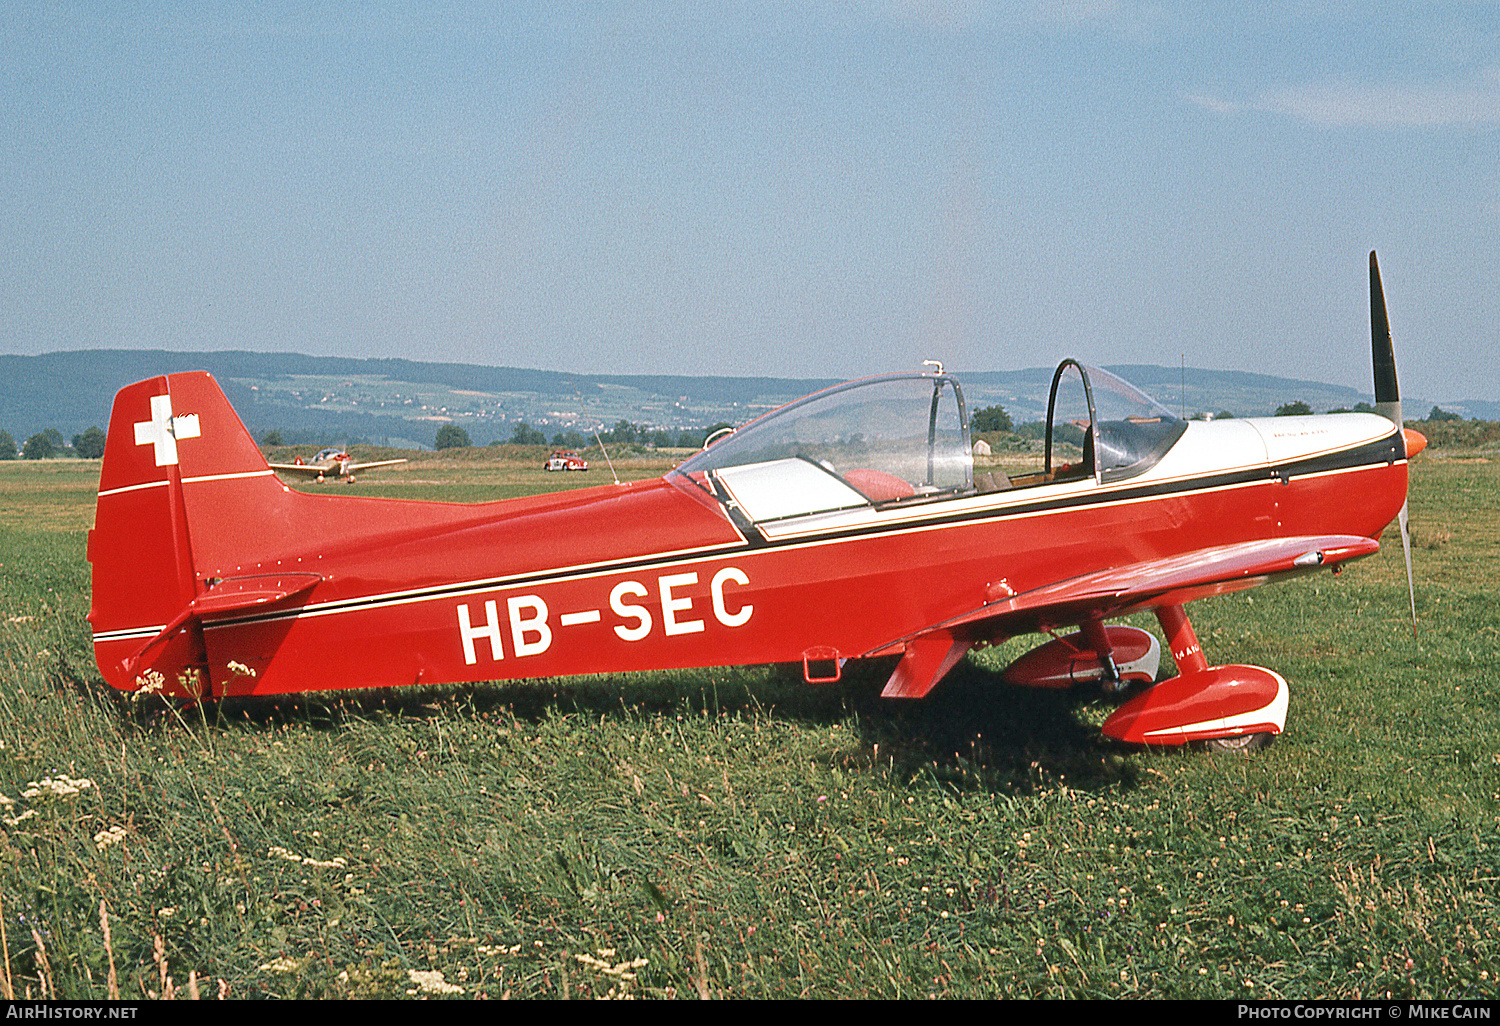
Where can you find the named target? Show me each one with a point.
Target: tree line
(89, 443)
(994, 418)
(451, 436)
(49, 443)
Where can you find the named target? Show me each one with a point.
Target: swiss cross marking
(163, 430)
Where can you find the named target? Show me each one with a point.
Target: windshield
(1132, 430)
(1101, 426)
(889, 438)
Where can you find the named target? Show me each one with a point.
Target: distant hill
(399, 401)
(403, 402)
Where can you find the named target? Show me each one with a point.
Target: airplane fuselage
(659, 574)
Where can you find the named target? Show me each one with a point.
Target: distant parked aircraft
(330, 463)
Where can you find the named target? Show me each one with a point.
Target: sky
(796, 189)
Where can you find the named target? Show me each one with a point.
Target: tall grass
(736, 833)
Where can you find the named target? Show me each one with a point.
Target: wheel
(1241, 743)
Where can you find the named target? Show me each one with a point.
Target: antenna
(606, 456)
(1182, 365)
(607, 460)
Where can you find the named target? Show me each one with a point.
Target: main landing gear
(1230, 708)
(1243, 743)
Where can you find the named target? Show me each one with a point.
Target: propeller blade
(1411, 588)
(1388, 402)
(1382, 355)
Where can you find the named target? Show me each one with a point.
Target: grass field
(736, 833)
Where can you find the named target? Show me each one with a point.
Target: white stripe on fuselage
(640, 564)
(883, 522)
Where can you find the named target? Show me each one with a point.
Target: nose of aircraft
(1415, 441)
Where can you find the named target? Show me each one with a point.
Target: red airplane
(329, 463)
(850, 524)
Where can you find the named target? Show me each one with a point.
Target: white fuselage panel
(1289, 438)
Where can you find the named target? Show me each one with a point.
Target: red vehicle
(847, 525)
(565, 460)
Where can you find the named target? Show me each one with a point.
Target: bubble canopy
(893, 437)
(1124, 432)
(901, 438)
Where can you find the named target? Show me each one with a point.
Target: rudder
(174, 453)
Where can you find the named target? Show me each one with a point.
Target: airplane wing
(308, 469)
(318, 470)
(929, 653)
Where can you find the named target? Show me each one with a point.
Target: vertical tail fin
(174, 453)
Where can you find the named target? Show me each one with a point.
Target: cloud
(1345, 104)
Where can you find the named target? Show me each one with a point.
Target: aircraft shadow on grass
(977, 734)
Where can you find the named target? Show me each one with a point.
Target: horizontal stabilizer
(236, 593)
(226, 596)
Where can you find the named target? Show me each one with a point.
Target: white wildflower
(619, 970)
(61, 786)
(109, 835)
(431, 982)
(149, 683)
(240, 669)
(280, 965)
(337, 862)
(18, 820)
